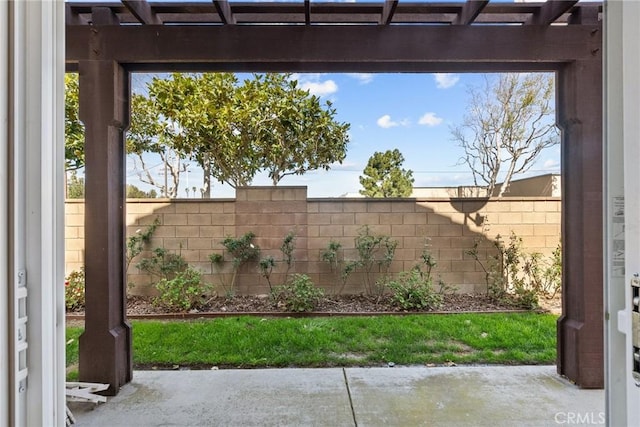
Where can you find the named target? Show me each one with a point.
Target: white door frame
(622, 191)
(31, 211)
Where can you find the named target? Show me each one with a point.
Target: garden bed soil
(345, 304)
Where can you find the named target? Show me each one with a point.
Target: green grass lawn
(248, 342)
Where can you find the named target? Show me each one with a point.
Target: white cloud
(348, 166)
(324, 88)
(386, 122)
(430, 119)
(551, 164)
(445, 80)
(363, 78)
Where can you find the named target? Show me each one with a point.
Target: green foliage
(298, 295)
(384, 176)
(241, 251)
(134, 192)
(414, 290)
(266, 266)
(540, 275)
(137, 243)
(184, 292)
(75, 186)
(428, 260)
(349, 267)
(553, 273)
(163, 264)
(426, 268)
(372, 250)
(287, 248)
(216, 258)
(73, 127)
(296, 133)
(74, 290)
(330, 254)
(519, 278)
(333, 255)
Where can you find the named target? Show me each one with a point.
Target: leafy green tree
(297, 133)
(384, 176)
(73, 127)
(507, 124)
(233, 130)
(75, 186)
(201, 109)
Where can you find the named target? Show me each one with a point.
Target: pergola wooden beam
(550, 11)
(388, 9)
(104, 16)
(142, 11)
(299, 12)
(224, 10)
(332, 46)
(470, 11)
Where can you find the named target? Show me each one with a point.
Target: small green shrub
(163, 264)
(544, 274)
(375, 254)
(368, 247)
(183, 292)
(266, 266)
(137, 242)
(74, 290)
(330, 254)
(414, 291)
(428, 264)
(241, 250)
(297, 295)
(518, 278)
(287, 249)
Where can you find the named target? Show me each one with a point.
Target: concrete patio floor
(400, 396)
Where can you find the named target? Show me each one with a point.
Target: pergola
(107, 41)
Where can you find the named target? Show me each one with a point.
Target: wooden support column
(105, 345)
(580, 329)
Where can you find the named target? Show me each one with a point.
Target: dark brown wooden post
(580, 329)
(105, 345)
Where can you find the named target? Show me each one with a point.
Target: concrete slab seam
(346, 383)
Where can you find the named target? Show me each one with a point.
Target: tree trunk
(206, 180)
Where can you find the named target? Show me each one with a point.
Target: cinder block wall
(195, 228)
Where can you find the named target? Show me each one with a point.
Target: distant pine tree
(384, 176)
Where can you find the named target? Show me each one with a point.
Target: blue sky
(411, 112)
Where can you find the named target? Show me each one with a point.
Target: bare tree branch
(508, 124)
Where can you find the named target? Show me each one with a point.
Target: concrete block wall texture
(195, 229)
